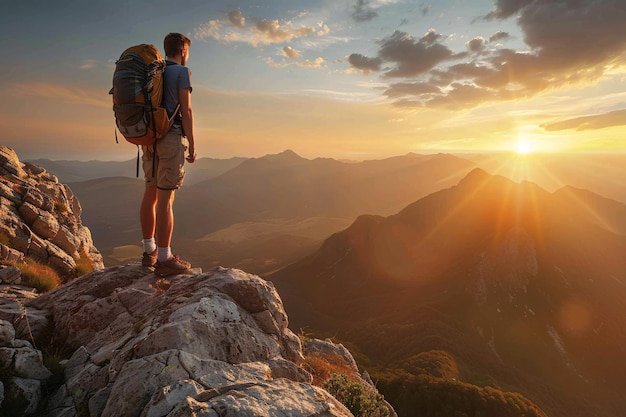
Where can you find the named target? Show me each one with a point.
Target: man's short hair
(174, 42)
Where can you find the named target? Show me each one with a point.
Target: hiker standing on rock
(156, 212)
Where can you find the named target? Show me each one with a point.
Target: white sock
(164, 254)
(149, 245)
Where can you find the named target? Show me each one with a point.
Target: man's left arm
(184, 98)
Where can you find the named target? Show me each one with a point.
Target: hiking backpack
(137, 93)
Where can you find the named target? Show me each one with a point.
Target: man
(156, 211)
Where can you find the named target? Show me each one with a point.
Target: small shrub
(60, 207)
(331, 372)
(321, 367)
(84, 265)
(137, 326)
(360, 399)
(53, 360)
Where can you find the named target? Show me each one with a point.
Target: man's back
(175, 78)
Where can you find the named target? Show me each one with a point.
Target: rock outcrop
(209, 344)
(40, 218)
(22, 372)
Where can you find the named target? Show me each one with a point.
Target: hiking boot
(172, 266)
(149, 259)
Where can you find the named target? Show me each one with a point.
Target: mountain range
(287, 205)
(274, 192)
(513, 287)
(69, 171)
(600, 172)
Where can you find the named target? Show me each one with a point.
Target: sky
(346, 79)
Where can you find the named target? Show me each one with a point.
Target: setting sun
(523, 147)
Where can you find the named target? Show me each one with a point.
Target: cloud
(89, 64)
(599, 121)
(365, 64)
(289, 52)
(476, 45)
(507, 8)
(412, 89)
(499, 36)
(316, 63)
(568, 42)
(408, 56)
(260, 32)
(215, 29)
(272, 31)
(236, 19)
(362, 13)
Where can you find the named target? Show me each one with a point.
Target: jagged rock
(10, 163)
(55, 193)
(7, 333)
(67, 241)
(74, 204)
(40, 218)
(34, 169)
(192, 408)
(282, 368)
(10, 275)
(29, 213)
(28, 363)
(24, 391)
(13, 228)
(206, 345)
(46, 225)
(38, 248)
(26, 322)
(164, 400)
(277, 397)
(37, 199)
(9, 193)
(83, 234)
(59, 259)
(22, 371)
(10, 254)
(21, 364)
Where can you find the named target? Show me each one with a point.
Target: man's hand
(191, 158)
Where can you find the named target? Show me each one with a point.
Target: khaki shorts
(170, 158)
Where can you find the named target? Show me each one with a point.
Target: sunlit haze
(523, 147)
(348, 80)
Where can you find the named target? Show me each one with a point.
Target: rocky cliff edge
(120, 341)
(210, 344)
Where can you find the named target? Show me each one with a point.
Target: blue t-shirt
(176, 77)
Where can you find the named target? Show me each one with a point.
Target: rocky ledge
(40, 218)
(208, 344)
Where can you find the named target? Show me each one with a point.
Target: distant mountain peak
(286, 155)
(476, 176)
